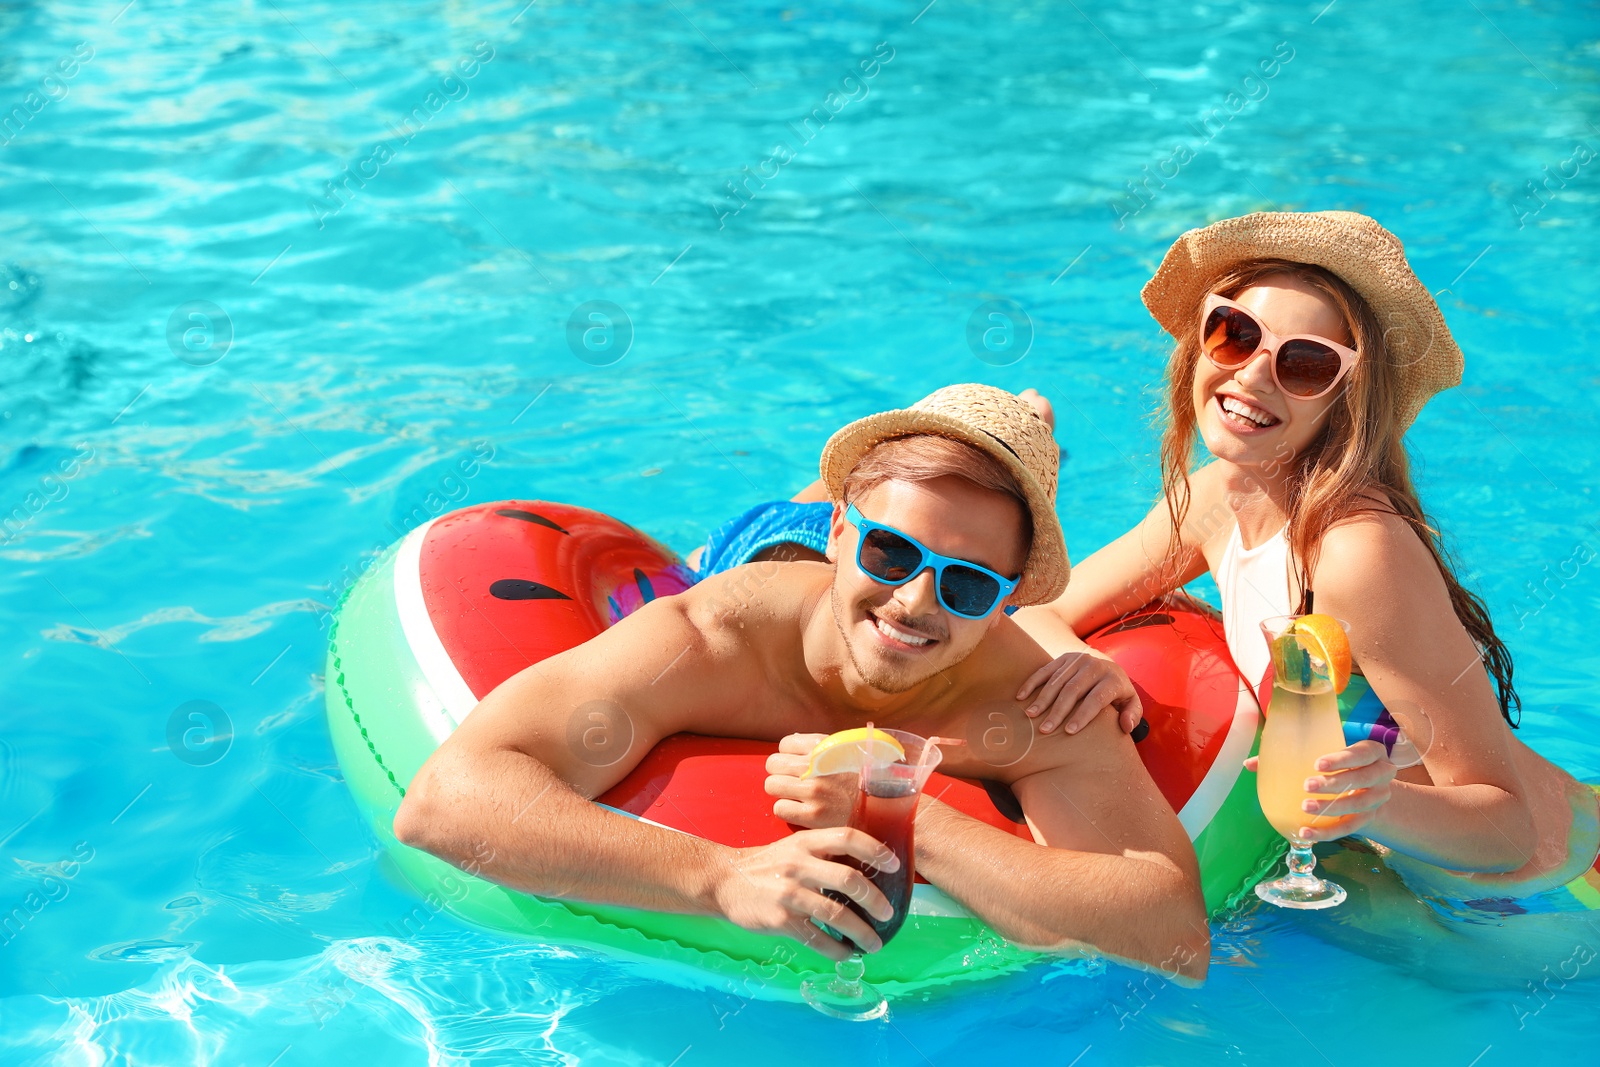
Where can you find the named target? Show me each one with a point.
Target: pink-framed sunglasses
(1303, 366)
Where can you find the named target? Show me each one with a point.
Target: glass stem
(1301, 863)
(847, 975)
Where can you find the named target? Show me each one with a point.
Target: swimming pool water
(185, 496)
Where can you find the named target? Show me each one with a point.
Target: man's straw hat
(1368, 257)
(997, 423)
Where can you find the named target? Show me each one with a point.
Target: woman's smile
(1243, 415)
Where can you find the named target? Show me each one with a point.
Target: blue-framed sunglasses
(890, 557)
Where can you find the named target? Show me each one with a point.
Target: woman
(1305, 348)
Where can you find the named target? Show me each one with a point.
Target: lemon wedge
(843, 751)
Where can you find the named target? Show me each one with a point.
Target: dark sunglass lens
(889, 556)
(1230, 336)
(1306, 368)
(967, 591)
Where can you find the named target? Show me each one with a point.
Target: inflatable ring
(468, 599)
(1204, 722)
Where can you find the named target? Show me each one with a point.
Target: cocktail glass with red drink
(886, 809)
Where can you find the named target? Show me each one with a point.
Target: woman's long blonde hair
(1359, 455)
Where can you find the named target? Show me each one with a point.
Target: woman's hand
(1077, 686)
(810, 802)
(1361, 778)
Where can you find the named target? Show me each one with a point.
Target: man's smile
(900, 635)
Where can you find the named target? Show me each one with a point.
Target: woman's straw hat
(1368, 257)
(998, 423)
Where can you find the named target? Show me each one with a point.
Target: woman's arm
(1133, 570)
(1375, 573)
(1121, 577)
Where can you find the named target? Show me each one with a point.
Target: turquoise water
(229, 473)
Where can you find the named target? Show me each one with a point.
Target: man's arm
(508, 793)
(1112, 869)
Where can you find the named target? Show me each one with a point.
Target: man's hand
(1361, 777)
(1077, 687)
(777, 889)
(814, 803)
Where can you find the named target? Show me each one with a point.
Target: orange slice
(1327, 632)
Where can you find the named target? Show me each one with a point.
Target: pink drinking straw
(931, 745)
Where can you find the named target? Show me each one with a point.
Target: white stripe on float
(1226, 768)
(641, 818)
(933, 902)
(452, 699)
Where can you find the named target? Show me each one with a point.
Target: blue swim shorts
(775, 522)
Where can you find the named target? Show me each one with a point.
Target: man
(942, 514)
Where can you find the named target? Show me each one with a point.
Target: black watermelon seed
(645, 588)
(522, 589)
(528, 516)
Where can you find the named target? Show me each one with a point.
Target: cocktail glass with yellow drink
(1310, 664)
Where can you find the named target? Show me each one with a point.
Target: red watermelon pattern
(1201, 713)
(511, 583)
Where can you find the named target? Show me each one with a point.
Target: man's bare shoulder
(762, 595)
(1003, 743)
(1000, 664)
